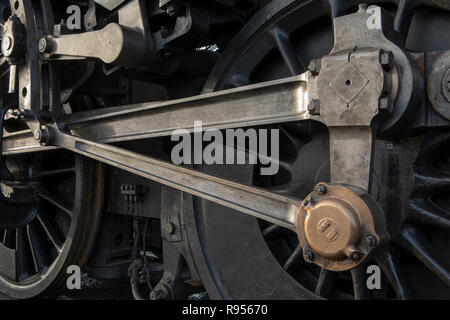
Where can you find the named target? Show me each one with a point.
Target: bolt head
(37, 135)
(44, 45)
(309, 255)
(386, 104)
(172, 10)
(387, 59)
(170, 228)
(321, 189)
(362, 7)
(314, 107)
(314, 67)
(371, 241)
(6, 44)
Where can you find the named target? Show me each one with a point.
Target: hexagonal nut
(387, 59)
(314, 107)
(309, 255)
(386, 104)
(321, 189)
(315, 66)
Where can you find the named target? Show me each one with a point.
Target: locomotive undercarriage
(364, 122)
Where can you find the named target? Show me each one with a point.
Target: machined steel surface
(273, 102)
(114, 44)
(250, 200)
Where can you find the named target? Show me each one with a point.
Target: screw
(314, 107)
(387, 59)
(314, 67)
(309, 255)
(386, 104)
(371, 241)
(321, 189)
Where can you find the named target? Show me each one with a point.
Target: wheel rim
(36, 255)
(64, 214)
(273, 249)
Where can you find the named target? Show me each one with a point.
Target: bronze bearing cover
(337, 226)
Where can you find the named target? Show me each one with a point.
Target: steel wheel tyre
(63, 191)
(240, 257)
(35, 256)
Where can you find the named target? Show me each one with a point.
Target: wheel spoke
(52, 232)
(359, 284)
(38, 247)
(430, 181)
(53, 173)
(24, 258)
(391, 266)
(404, 16)
(292, 258)
(415, 243)
(429, 214)
(9, 238)
(296, 144)
(272, 230)
(59, 203)
(325, 283)
(288, 52)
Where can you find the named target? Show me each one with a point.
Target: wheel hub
(336, 226)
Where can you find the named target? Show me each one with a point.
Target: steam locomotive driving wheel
(267, 261)
(51, 201)
(364, 173)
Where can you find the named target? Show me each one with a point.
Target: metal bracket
(172, 204)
